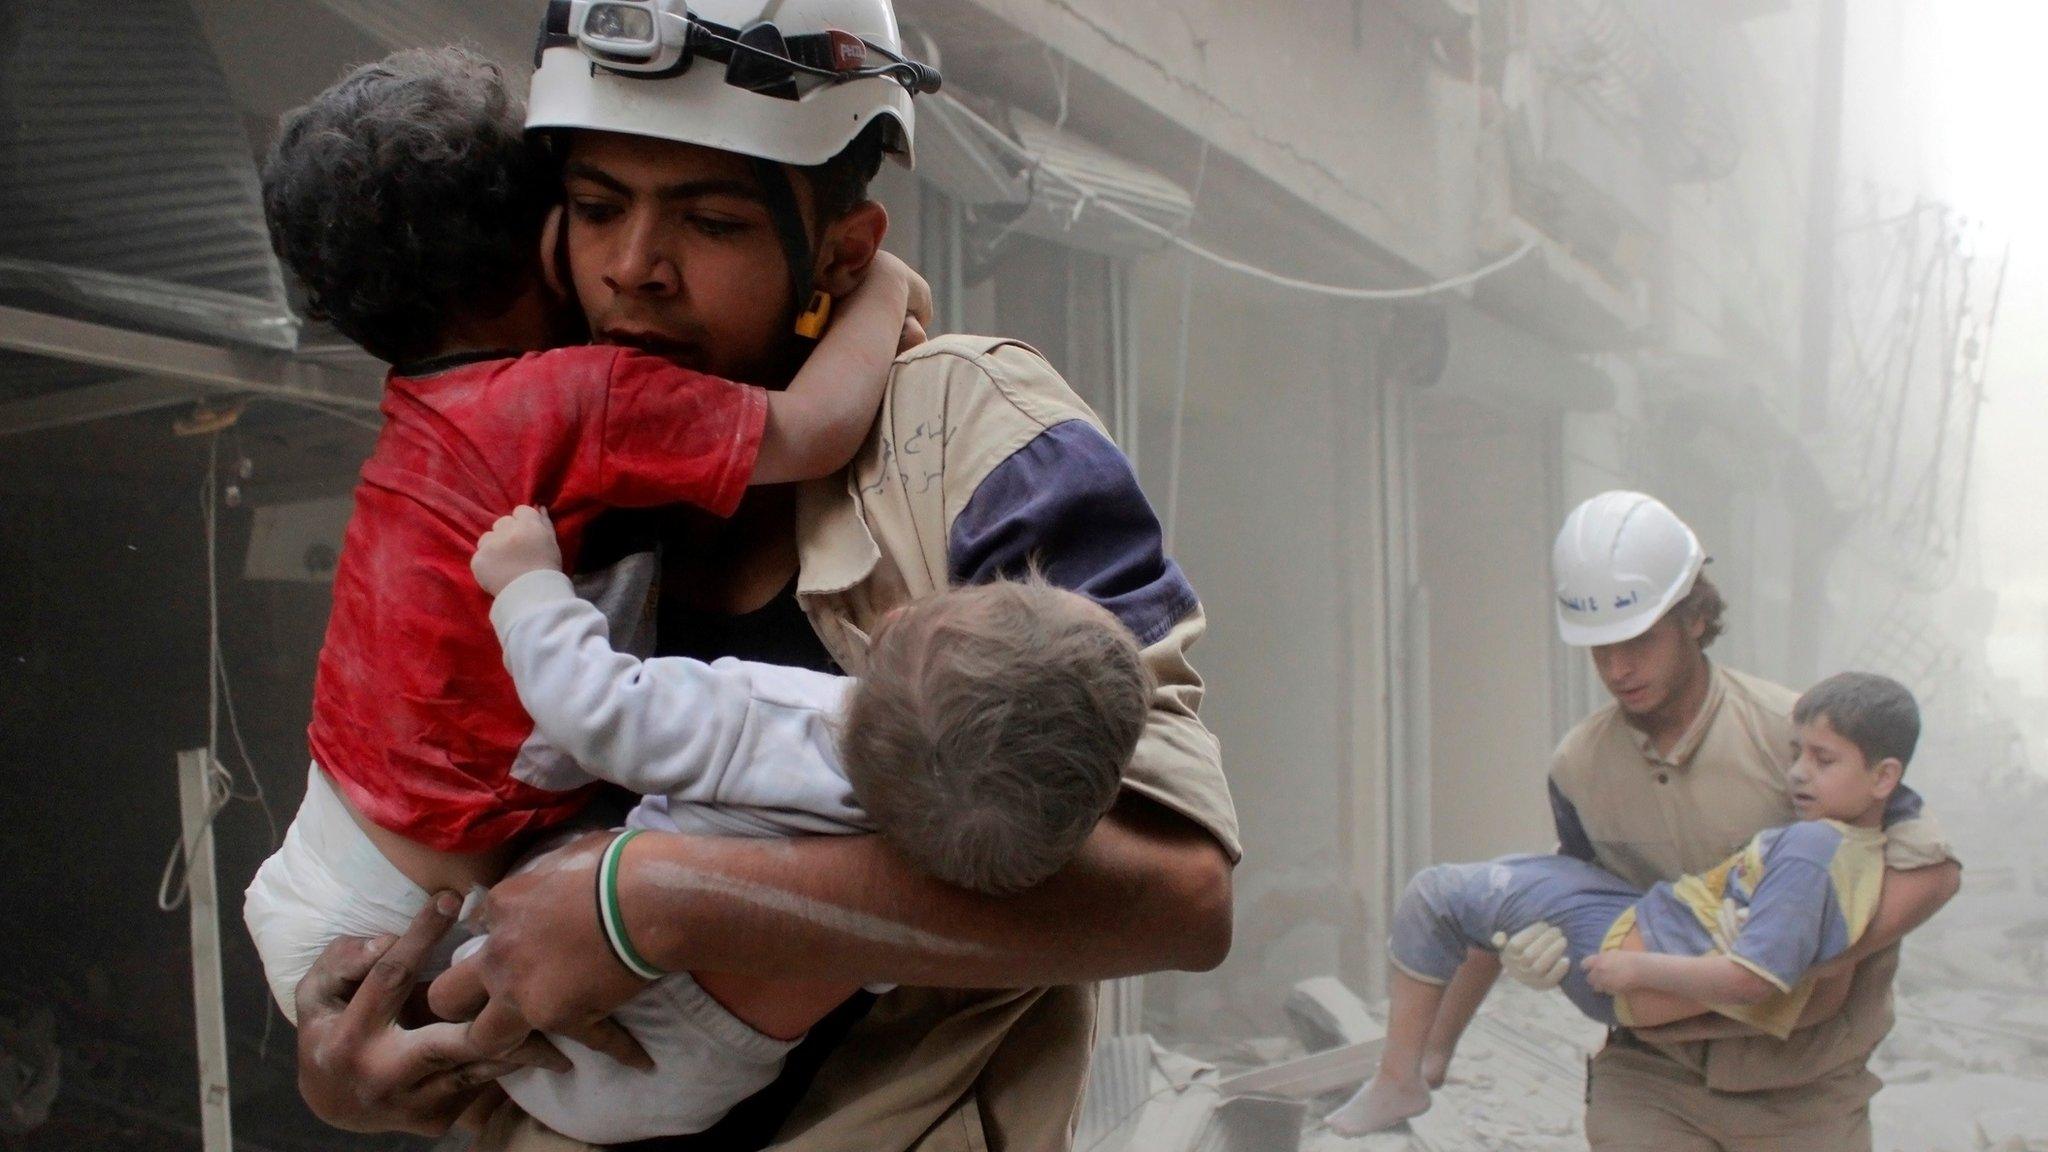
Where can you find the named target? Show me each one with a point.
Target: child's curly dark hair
(408, 194)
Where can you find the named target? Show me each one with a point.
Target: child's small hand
(1611, 973)
(517, 544)
(917, 291)
(913, 335)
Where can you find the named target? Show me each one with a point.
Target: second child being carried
(1742, 940)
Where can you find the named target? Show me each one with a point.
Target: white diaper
(705, 1061)
(327, 880)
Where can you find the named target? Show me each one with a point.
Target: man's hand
(517, 544)
(545, 963)
(1613, 973)
(1535, 956)
(359, 1070)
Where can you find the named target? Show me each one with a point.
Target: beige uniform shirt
(939, 1070)
(1647, 817)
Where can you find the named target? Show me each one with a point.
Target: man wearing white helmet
(1687, 763)
(716, 159)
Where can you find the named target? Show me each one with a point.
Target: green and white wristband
(608, 912)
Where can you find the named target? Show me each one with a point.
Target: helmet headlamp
(652, 39)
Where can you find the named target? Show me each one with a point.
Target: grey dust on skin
(683, 880)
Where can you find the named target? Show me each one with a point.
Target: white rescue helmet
(1621, 561)
(788, 81)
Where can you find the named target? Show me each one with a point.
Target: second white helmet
(1620, 562)
(790, 81)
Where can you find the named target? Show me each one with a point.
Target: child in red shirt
(410, 205)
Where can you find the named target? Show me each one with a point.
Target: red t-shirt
(414, 715)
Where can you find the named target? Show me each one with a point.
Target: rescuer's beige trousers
(1639, 1100)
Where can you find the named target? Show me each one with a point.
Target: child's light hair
(991, 730)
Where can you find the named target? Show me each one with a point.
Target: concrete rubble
(1517, 1086)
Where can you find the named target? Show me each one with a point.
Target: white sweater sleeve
(728, 733)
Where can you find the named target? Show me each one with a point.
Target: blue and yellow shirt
(1810, 889)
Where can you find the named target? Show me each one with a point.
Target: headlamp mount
(655, 39)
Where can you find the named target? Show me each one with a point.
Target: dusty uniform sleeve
(1068, 503)
(1913, 837)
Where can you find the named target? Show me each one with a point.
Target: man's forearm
(1909, 899)
(1709, 1027)
(1149, 891)
(1830, 993)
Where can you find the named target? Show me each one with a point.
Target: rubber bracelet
(608, 910)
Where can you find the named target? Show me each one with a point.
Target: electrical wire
(1180, 401)
(1176, 239)
(171, 896)
(174, 885)
(1180, 364)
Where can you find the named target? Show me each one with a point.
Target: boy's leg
(1462, 998)
(1397, 1092)
(1426, 949)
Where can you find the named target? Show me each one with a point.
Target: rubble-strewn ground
(1518, 1085)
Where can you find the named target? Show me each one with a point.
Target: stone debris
(1142, 1097)
(1327, 1014)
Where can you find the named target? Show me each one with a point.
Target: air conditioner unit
(299, 541)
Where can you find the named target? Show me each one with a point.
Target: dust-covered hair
(1704, 604)
(1875, 713)
(407, 195)
(992, 728)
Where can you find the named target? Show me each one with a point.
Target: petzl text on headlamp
(658, 38)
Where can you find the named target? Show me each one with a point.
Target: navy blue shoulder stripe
(1069, 502)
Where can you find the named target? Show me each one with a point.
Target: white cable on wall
(174, 884)
(1278, 279)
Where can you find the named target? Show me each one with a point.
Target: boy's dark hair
(407, 195)
(1875, 713)
(991, 729)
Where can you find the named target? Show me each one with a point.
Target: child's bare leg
(1398, 1092)
(784, 1009)
(1461, 1000)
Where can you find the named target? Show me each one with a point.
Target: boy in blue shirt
(1800, 896)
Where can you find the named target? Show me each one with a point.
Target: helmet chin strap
(787, 214)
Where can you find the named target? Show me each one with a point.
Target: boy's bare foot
(1379, 1105)
(1435, 1067)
